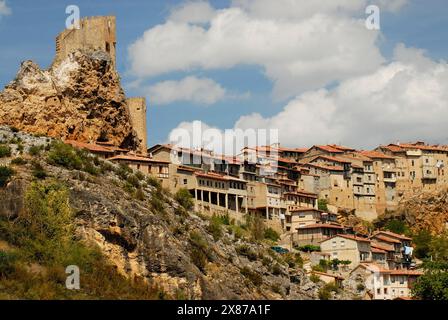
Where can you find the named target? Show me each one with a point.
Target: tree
(397, 226)
(322, 204)
(433, 285)
(422, 242)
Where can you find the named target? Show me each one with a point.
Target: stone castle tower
(95, 33)
(137, 111)
(99, 33)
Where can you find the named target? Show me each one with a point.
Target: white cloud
(4, 9)
(192, 89)
(301, 45)
(404, 100)
(192, 12)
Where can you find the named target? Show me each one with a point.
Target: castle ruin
(99, 33)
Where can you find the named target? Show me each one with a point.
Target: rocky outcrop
(80, 99)
(424, 211)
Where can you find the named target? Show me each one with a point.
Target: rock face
(80, 99)
(425, 211)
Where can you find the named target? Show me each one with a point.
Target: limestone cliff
(424, 211)
(80, 99)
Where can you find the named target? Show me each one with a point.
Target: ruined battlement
(97, 33)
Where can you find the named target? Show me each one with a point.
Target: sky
(309, 69)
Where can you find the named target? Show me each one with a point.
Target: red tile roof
(352, 237)
(330, 158)
(381, 247)
(89, 146)
(321, 225)
(385, 239)
(129, 157)
(304, 209)
(406, 272)
(342, 148)
(376, 155)
(329, 149)
(376, 250)
(325, 167)
(395, 235)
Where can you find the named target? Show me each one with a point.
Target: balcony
(390, 180)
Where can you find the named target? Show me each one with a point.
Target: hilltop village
(300, 193)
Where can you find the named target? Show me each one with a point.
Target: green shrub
(139, 194)
(325, 291)
(294, 260)
(199, 258)
(35, 150)
(5, 151)
(246, 251)
(64, 155)
(185, 199)
(19, 161)
(123, 171)
(140, 176)
(200, 252)
(39, 171)
(5, 175)
(133, 180)
(309, 248)
(322, 204)
(215, 229)
(314, 278)
(7, 264)
(253, 276)
(152, 181)
(257, 229)
(14, 129)
(360, 287)
(276, 269)
(271, 234)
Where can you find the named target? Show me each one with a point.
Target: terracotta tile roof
(325, 167)
(421, 146)
(304, 209)
(328, 275)
(395, 235)
(330, 158)
(393, 148)
(352, 237)
(385, 239)
(381, 247)
(342, 148)
(89, 146)
(321, 225)
(376, 250)
(329, 149)
(376, 155)
(302, 193)
(406, 272)
(217, 176)
(129, 157)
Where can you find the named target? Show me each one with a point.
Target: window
(333, 244)
(342, 243)
(185, 181)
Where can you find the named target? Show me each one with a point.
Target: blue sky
(29, 32)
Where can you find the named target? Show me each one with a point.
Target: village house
(314, 234)
(385, 284)
(348, 247)
(147, 166)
